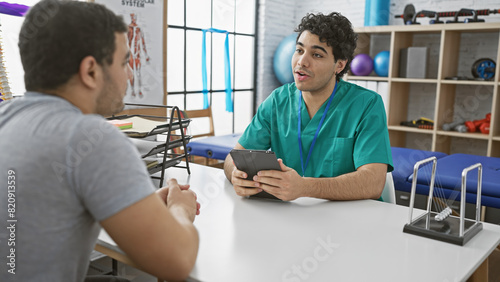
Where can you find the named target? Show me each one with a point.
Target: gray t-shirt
(61, 172)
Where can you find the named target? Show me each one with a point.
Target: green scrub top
(354, 132)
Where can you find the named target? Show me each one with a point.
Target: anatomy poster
(145, 38)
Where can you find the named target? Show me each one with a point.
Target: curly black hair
(334, 29)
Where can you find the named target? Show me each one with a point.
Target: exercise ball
(362, 64)
(381, 63)
(282, 61)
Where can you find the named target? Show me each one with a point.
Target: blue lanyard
(317, 129)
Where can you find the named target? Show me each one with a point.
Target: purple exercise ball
(362, 64)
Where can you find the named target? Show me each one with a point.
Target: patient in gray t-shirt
(65, 172)
(71, 171)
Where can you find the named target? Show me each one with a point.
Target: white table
(315, 240)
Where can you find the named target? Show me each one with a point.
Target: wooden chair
(205, 113)
(199, 114)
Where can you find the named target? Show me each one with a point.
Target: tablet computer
(253, 161)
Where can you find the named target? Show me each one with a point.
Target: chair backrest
(201, 120)
(389, 194)
(205, 113)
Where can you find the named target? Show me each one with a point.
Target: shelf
(371, 78)
(451, 51)
(467, 82)
(414, 80)
(471, 27)
(463, 135)
(409, 129)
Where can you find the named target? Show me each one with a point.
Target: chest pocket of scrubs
(337, 154)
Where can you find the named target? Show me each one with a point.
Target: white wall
(276, 21)
(354, 10)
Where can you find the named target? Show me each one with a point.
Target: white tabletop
(315, 240)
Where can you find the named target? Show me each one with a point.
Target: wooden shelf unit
(444, 43)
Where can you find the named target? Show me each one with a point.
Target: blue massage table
(403, 160)
(216, 147)
(448, 175)
(449, 178)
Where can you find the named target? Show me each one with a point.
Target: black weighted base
(447, 230)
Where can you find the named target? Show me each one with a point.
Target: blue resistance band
(227, 68)
(317, 129)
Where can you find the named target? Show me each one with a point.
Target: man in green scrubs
(330, 135)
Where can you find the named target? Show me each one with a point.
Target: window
(186, 20)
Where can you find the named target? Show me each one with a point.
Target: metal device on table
(442, 225)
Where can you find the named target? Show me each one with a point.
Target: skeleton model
(136, 44)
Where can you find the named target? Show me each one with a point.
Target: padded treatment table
(216, 147)
(449, 178)
(403, 160)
